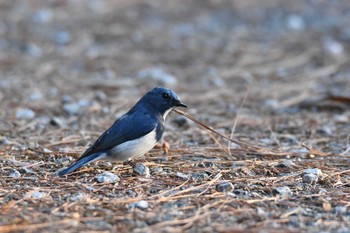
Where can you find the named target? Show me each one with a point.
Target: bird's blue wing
(130, 126)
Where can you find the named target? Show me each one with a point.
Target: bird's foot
(164, 146)
(128, 162)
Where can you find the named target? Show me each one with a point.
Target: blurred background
(275, 72)
(79, 64)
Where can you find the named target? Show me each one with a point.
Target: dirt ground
(274, 74)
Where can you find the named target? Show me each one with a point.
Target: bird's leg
(164, 145)
(129, 162)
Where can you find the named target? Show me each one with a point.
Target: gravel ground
(273, 74)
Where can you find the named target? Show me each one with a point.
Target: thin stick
(37, 226)
(236, 120)
(274, 137)
(242, 144)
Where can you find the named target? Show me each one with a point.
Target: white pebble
(159, 75)
(295, 22)
(25, 113)
(38, 195)
(283, 191)
(106, 177)
(309, 178)
(142, 204)
(76, 197)
(314, 171)
(333, 47)
(14, 173)
(35, 96)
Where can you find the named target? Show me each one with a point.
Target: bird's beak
(178, 103)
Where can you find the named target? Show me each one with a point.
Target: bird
(134, 133)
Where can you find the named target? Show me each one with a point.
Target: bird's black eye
(165, 96)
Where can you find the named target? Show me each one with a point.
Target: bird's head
(162, 100)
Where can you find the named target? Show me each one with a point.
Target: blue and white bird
(135, 133)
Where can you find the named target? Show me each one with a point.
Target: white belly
(134, 148)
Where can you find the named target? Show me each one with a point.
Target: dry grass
(295, 116)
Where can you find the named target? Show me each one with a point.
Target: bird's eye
(165, 96)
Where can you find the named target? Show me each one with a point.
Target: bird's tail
(80, 162)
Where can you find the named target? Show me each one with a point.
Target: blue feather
(80, 163)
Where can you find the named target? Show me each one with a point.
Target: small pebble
(299, 150)
(224, 186)
(105, 164)
(67, 99)
(314, 171)
(261, 212)
(43, 16)
(58, 121)
(105, 109)
(4, 141)
(343, 229)
(62, 37)
(14, 173)
(106, 177)
(89, 188)
(141, 169)
(24, 113)
(131, 193)
(343, 118)
(333, 47)
(295, 22)
(310, 178)
(326, 130)
(64, 161)
(45, 150)
(271, 103)
(26, 170)
(72, 108)
(53, 91)
(77, 107)
(36, 52)
(182, 175)
(142, 204)
(267, 141)
(43, 120)
(107, 74)
(281, 72)
(159, 75)
(240, 192)
(84, 103)
(181, 121)
(76, 197)
(199, 176)
(157, 170)
(160, 159)
(340, 210)
(101, 96)
(322, 191)
(282, 191)
(217, 81)
(206, 164)
(137, 37)
(35, 96)
(286, 163)
(38, 195)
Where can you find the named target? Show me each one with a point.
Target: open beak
(178, 103)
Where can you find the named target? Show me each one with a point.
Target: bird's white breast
(166, 113)
(134, 148)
